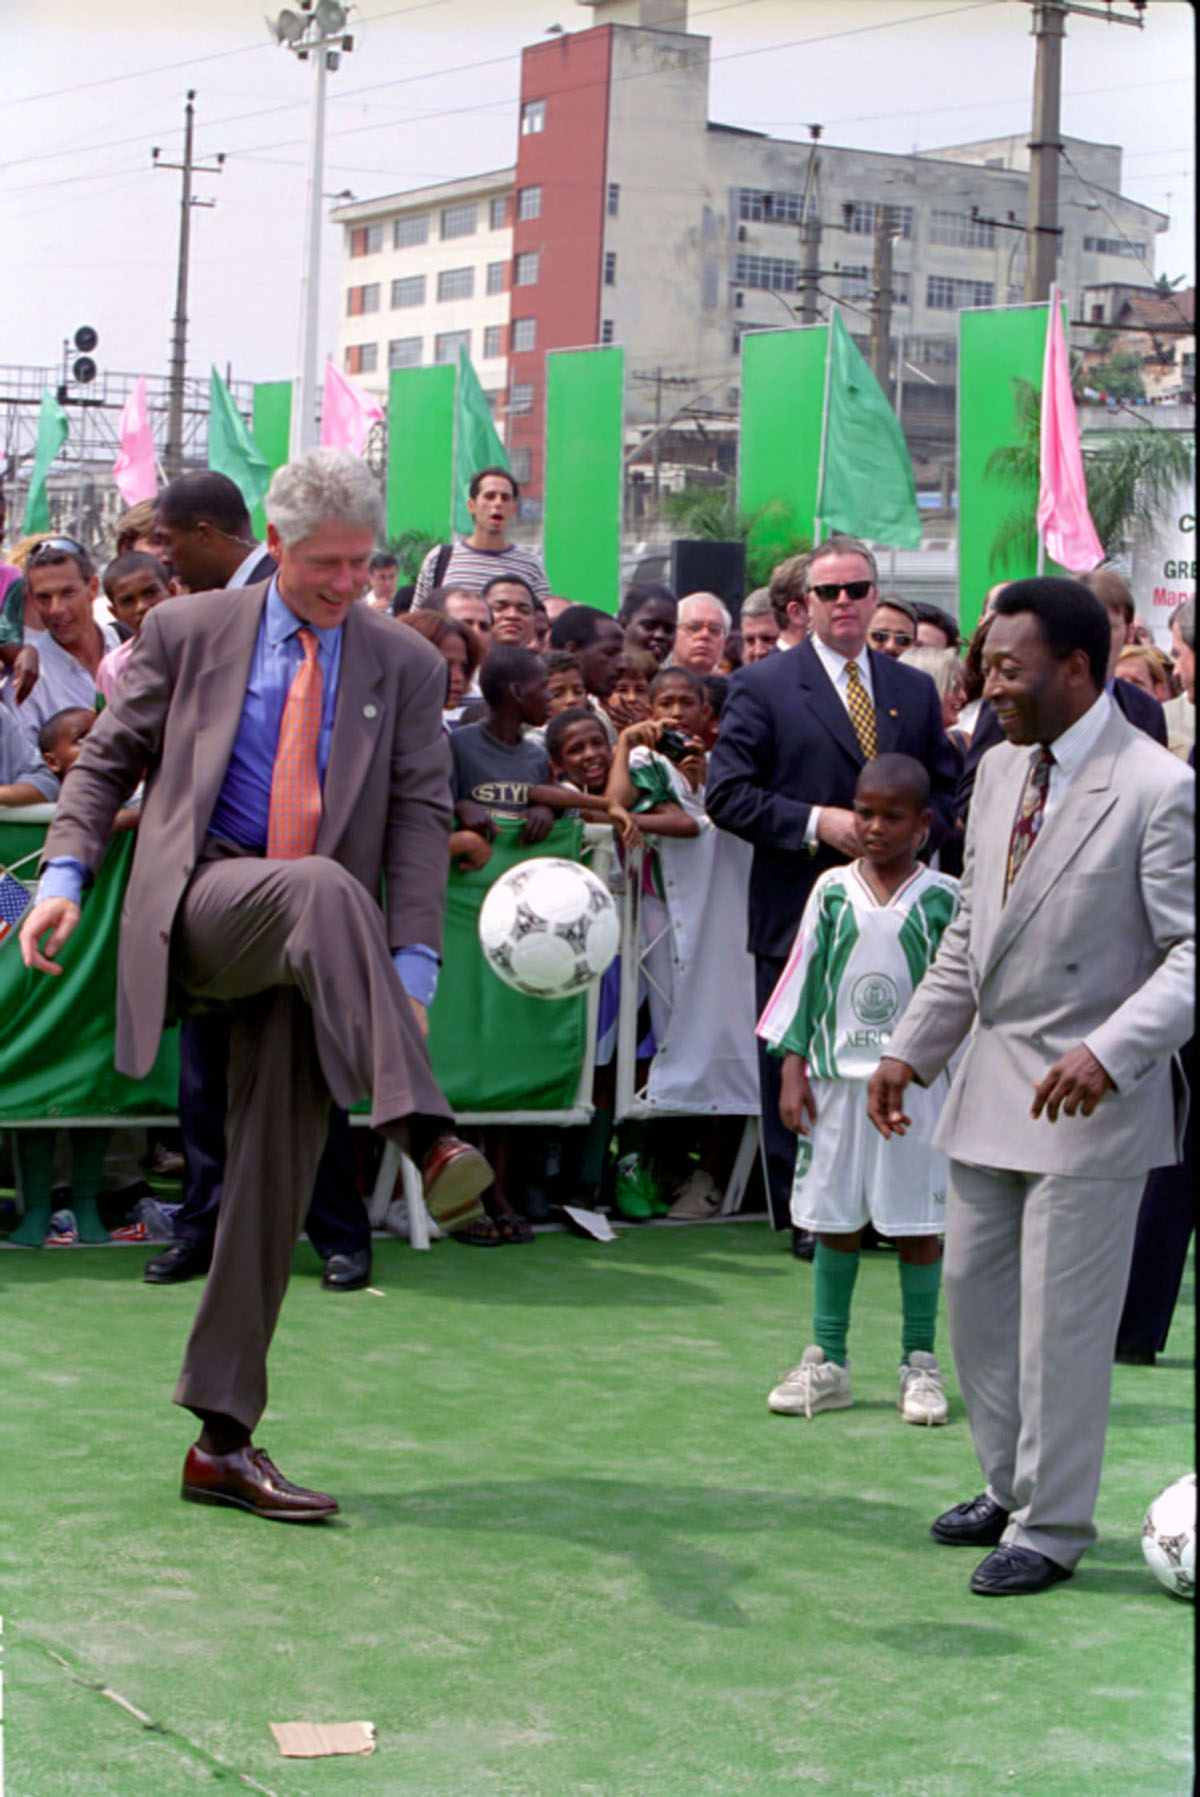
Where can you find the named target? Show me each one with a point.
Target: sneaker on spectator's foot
(697, 1199)
(816, 1384)
(635, 1192)
(922, 1399)
(63, 1232)
(398, 1223)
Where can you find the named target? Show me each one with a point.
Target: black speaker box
(700, 566)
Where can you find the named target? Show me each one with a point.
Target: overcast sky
(90, 230)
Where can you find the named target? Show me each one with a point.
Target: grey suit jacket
(1095, 944)
(173, 719)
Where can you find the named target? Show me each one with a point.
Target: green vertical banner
(476, 443)
(585, 397)
(51, 435)
(996, 348)
(420, 465)
(779, 449)
(270, 426)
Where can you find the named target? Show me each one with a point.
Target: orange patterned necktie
(862, 712)
(295, 815)
(1031, 813)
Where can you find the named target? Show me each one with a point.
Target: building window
(455, 283)
(404, 352)
(861, 216)
(409, 291)
(524, 335)
(959, 229)
(520, 398)
(606, 330)
(447, 344)
(533, 117)
(495, 277)
(931, 352)
(529, 203)
(406, 232)
(784, 207)
(362, 358)
(366, 240)
(610, 268)
(1115, 246)
(525, 268)
(498, 213)
(491, 399)
(362, 299)
(854, 282)
(944, 294)
(520, 460)
(613, 205)
(493, 341)
(459, 221)
(772, 272)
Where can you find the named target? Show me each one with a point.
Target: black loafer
(347, 1272)
(979, 1523)
(184, 1259)
(1013, 1571)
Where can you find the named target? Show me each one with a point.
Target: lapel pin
(370, 711)
(893, 713)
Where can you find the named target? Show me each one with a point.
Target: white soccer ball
(549, 928)
(1169, 1537)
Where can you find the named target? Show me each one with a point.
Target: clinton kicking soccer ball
(549, 928)
(1169, 1537)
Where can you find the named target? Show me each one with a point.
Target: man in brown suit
(299, 947)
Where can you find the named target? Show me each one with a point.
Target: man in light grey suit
(291, 865)
(1069, 974)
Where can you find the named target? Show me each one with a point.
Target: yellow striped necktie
(862, 712)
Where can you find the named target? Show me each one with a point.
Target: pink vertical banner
(1063, 520)
(347, 412)
(135, 470)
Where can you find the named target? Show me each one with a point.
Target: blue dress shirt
(243, 806)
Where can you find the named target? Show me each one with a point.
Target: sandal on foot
(483, 1233)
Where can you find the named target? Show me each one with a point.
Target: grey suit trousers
(298, 950)
(1035, 1273)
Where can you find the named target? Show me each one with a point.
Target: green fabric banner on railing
(492, 1048)
(779, 450)
(585, 396)
(270, 426)
(420, 465)
(995, 348)
(56, 1033)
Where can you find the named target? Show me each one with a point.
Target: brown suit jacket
(173, 719)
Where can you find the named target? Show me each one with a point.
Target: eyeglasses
(828, 590)
(699, 629)
(51, 548)
(880, 637)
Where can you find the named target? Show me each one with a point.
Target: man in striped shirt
(469, 563)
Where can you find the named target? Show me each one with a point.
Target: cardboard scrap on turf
(319, 1740)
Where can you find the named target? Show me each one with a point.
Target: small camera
(673, 744)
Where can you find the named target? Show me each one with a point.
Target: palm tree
(1166, 284)
(1131, 479)
(770, 534)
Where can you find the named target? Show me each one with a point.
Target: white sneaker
(922, 1399)
(816, 1384)
(697, 1199)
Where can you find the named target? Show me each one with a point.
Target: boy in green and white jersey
(867, 937)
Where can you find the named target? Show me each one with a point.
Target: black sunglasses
(828, 590)
(51, 548)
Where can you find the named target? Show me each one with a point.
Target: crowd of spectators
(557, 708)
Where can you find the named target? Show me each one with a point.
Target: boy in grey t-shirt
(494, 765)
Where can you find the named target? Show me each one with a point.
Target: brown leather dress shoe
(454, 1175)
(248, 1480)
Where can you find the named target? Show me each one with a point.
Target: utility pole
(810, 234)
(656, 445)
(881, 300)
(1045, 143)
(173, 454)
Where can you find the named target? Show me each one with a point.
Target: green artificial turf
(577, 1556)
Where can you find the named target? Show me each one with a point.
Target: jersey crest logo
(874, 999)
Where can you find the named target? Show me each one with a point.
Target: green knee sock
(35, 1168)
(919, 1288)
(88, 1149)
(834, 1273)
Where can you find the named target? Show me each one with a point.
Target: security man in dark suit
(796, 732)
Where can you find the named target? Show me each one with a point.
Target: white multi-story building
(630, 217)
